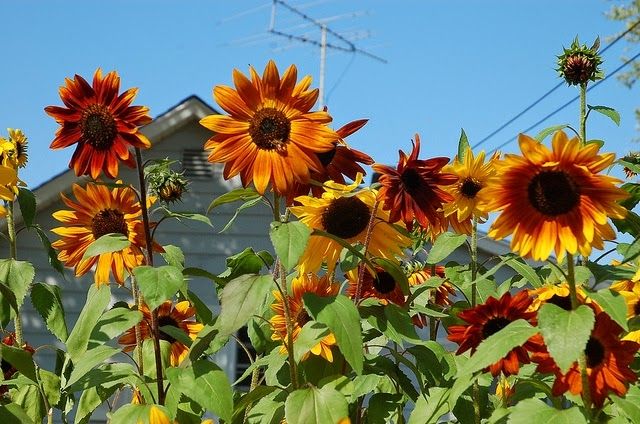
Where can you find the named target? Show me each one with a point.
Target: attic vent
(196, 166)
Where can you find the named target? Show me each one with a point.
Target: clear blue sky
(451, 64)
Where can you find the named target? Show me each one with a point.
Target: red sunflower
(379, 285)
(413, 190)
(101, 122)
(489, 318)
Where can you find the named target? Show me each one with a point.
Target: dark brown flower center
(470, 187)
(108, 221)
(269, 129)
(303, 317)
(326, 157)
(411, 180)
(553, 193)
(98, 127)
(346, 217)
(636, 309)
(494, 325)
(562, 301)
(384, 283)
(594, 352)
(167, 321)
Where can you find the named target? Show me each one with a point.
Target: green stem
(13, 251)
(474, 300)
(149, 242)
(583, 112)
(137, 298)
(255, 378)
(367, 241)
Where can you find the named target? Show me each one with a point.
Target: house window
(196, 166)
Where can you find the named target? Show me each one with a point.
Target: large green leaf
(98, 298)
(173, 256)
(52, 255)
(496, 346)
(629, 405)
(113, 323)
(289, 241)
(112, 242)
(609, 112)
(240, 299)
(158, 284)
(90, 400)
(18, 276)
(20, 359)
(88, 360)
(524, 269)
(206, 384)
(565, 333)
(47, 301)
(246, 262)
(315, 406)
(341, 316)
(14, 414)
(444, 245)
(29, 398)
(238, 194)
(536, 411)
(613, 304)
(431, 407)
(27, 202)
(310, 335)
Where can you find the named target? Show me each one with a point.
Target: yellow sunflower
(270, 135)
(19, 140)
(554, 200)
(627, 285)
(305, 283)
(180, 315)
(98, 211)
(344, 212)
(472, 174)
(558, 294)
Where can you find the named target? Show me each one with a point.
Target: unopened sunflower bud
(580, 64)
(164, 182)
(172, 189)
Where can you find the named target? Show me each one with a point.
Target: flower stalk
(367, 241)
(13, 249)
(474, 300)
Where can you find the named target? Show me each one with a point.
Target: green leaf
(240, 299)
(20, 359)
(246, 205)
(348, 260)
(89, 360)
(29, 398)
(524, 269)
(550, 130)
(310, 335)
(608, 112)
(47, 301)
(341, 316)
(187, 215)
(202, 273)
(463, 145)
(158, 284)
(202, 342)
(249, 398)
(289, 241)
(98, 298)
(629, 251)
(315, 406)
(14, 414)
(177, 333)
(353, 249)
(383, 408)
(245, 262)
(613, 304)
(52, 255)
(90, 400)
(27, 202)
(598, 143)
(496, 346)
(203, 313)
(565, 332)
(429, 409)
(236, 195)
(112, 242)
(113, 323)
(629, 405)
(630, 224)
(173, 256)
(131, 413)
(206, 384)
(536, 411)
(444, 245)
(50, 386)
(8, 305)
(634, 190)
(610, 272)
(18, 276)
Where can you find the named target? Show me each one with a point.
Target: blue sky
(451, 64)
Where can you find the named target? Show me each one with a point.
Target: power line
(569, 102)
(545, 95)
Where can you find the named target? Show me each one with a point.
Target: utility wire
(545, 95)
(569, 102)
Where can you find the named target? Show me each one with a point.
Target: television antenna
(341, 43)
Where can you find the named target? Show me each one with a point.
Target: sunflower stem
(583, 112)
(433, 330)
(367, 241)
(149, 242)
(13, 251)
(255, 379)
(137, 298)
(475, 391)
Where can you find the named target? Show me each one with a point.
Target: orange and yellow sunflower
(180, 315)
(558, 294)
(305, 283)
(414, 189)
(344, 212)
(554, 200)
(102, 123)
(442, 292)
(270, 135)
(97, 211)
(378, 284)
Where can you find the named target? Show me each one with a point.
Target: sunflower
(608, 360)
(442, 292)
(631, 284)
(101, 122)
(270, 135)
(413, 189)
(337, 163)
(472, 174)
(305, 283)
(180, 315)
(345, 213)
(98, 211)
(487, 319)
(8, 370)
(558, 294)
(377, 284)
(17, 137)
(554, 200)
